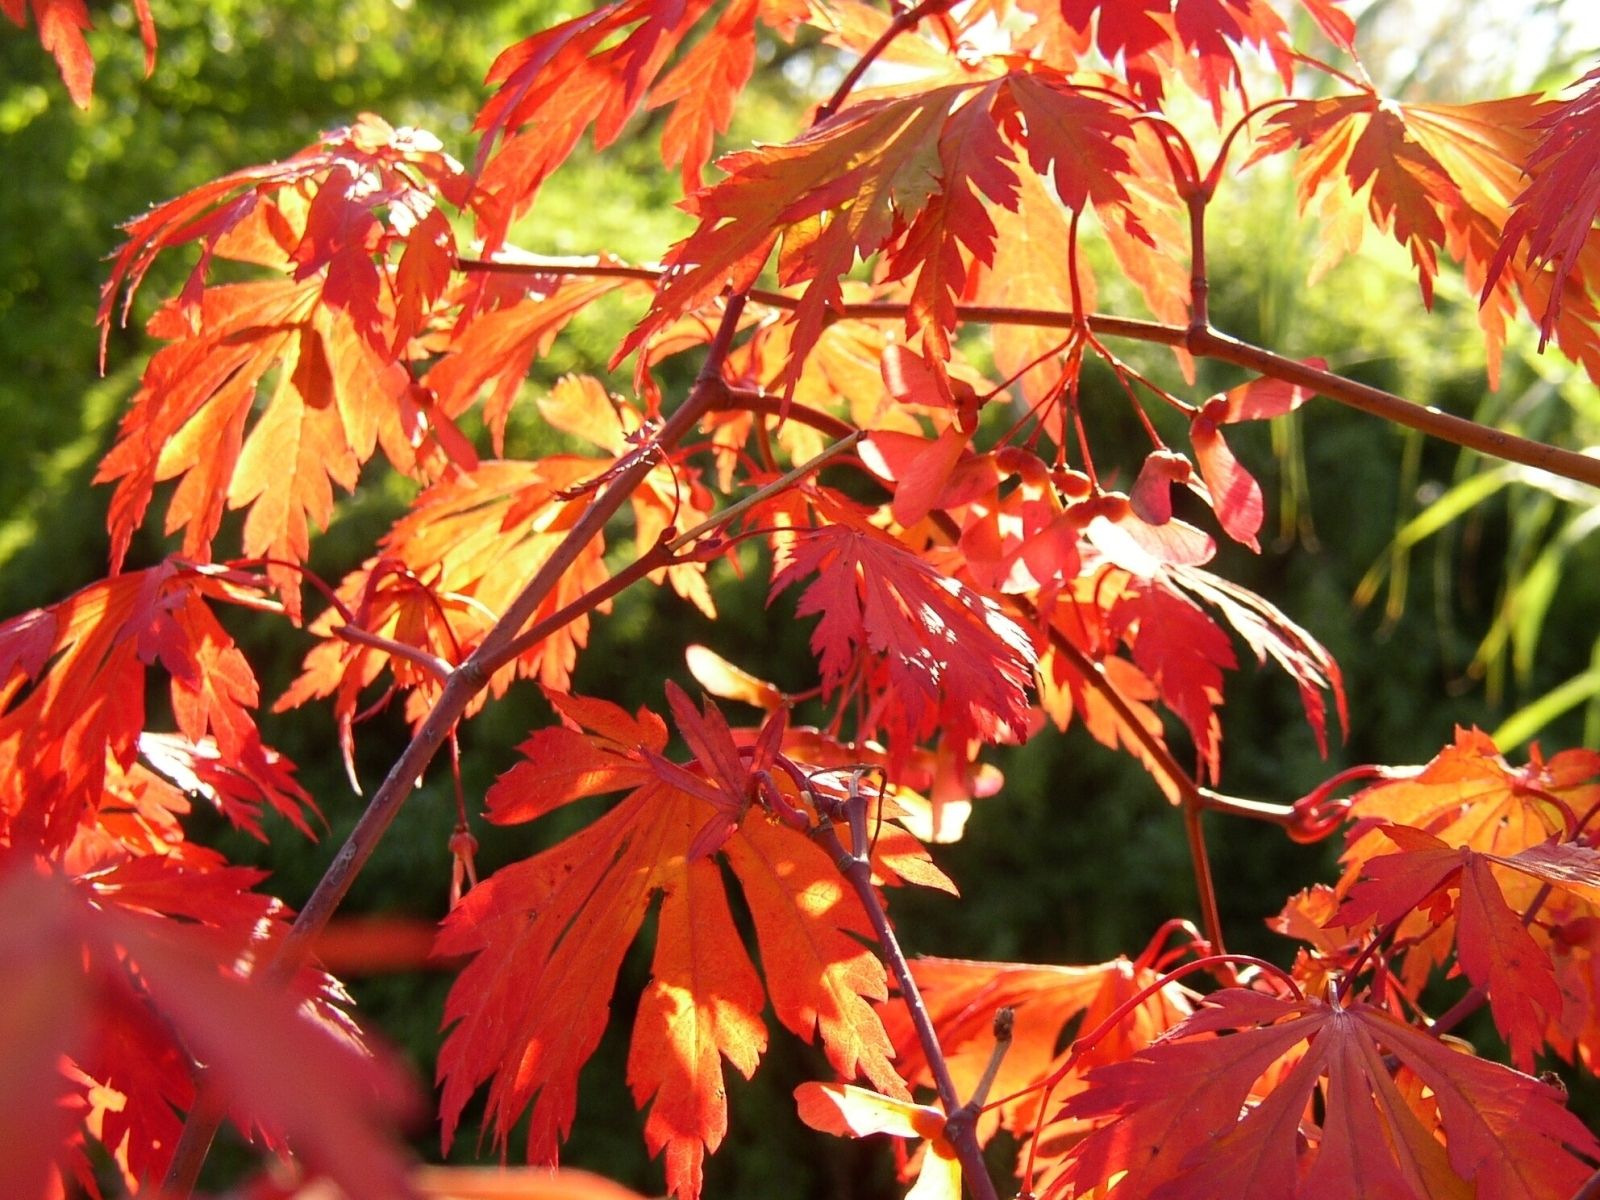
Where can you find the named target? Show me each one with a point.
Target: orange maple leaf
(596, 70)
(445, 573)
(547, 936)
(963, 996)
(847, 1111)
(72, 698)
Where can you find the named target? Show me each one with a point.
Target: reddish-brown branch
(1203, 343)
(720, 519)
(1199, 284)
(662, 554)
(465, 682)
(657, 556)
(961, 1129)
(750, 400)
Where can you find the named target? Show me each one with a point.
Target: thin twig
(903, 22)
(720, 519)
(431, 663)
(962, 1135)
(1189, 792)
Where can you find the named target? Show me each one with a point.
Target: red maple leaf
(1183, 1117)
(111, 1003)
(1493, 944)
(1554, 215)
(947, 656)
(261, 214)
(61, 28)
(72, 697)
(1355, 145)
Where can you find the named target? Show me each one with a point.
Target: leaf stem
(1189, 792)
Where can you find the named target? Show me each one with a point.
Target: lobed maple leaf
(331, 330)
(1155, 42)
(1492, 942)
(1177, 654)
(113, 1002)
(334, 401)
(62, 24)
(316, 213)
(962, 997)
(949, 657)
(865, 172)
(1554, 215)
(596, 70)
(1469, 795)
(72, 698)
(496, 348)
(1361, 144)
(1509, 928)
(547, 936)
(908, 174)
(1440, 175)
(445, 573)
(1183, 1116)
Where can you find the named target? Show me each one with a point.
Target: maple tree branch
(663, 554)
(352, 629)
(1201, 342)
(904, 21)
(465, 682)
(1199, 284)
(659, 555)
(961, 1128)
(1204, 883)
(1496, 443)
(751, 400)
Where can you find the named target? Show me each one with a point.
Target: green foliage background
(1078, 859)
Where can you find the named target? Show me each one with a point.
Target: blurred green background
(1477, 620)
